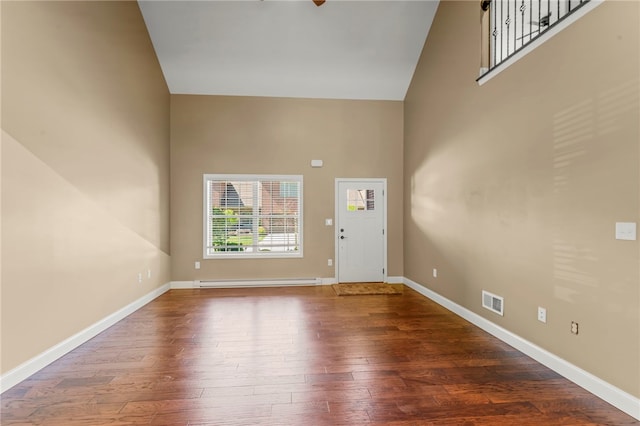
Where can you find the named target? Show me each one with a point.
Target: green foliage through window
(253, 216)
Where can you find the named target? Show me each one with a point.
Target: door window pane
(360, 199)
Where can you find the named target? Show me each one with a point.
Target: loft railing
(512, 24)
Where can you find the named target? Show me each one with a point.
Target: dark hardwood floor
(298, 356)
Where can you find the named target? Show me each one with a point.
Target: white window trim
(251, 255)
(543, 38)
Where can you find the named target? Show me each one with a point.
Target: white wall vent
(492, 302)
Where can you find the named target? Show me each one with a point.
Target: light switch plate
(626, 231)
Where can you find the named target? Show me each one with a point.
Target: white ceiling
(341, 50)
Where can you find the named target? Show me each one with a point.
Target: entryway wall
(222, 134)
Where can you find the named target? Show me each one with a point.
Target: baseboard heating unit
(276, 282)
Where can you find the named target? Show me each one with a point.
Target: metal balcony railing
(513, 24)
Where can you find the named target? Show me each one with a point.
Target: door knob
(342, 237)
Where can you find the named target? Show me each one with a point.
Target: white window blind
(252, 216)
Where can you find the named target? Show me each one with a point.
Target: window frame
(259, 179)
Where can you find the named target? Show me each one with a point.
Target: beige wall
(218, 134)
(85, 169)
(515, 186)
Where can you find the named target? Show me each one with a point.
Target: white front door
(360, 230)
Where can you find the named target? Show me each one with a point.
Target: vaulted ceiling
(344, 49)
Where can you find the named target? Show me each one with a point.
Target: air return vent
(492, 302)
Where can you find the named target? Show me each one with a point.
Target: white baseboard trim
(181, 285)
(275, 282)
(603, 390)
(35, 364)
(395, 280)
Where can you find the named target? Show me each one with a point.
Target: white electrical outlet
(435, 273)
(329, 262)
(197, 265)
(140, 277)
(328, 222)
(574, 327)
(542, 314)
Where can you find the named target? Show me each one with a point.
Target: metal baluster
(501, 27)
(523, 8)
(530, 18)
(503, 46)
(494, 33)
(539, 14)
(508, 24)
(515, 26)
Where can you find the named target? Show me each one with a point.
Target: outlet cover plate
(542, 314)
(574, 327)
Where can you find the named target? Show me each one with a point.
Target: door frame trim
(336, 194)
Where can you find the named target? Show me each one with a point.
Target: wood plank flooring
(298, 356)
